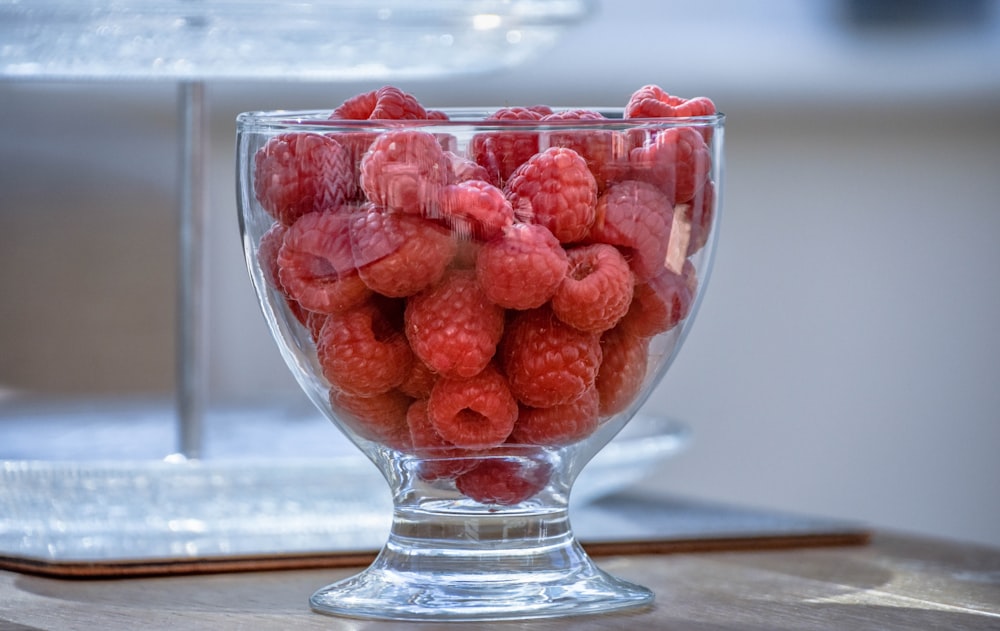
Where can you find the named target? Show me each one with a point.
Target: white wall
(845, 359)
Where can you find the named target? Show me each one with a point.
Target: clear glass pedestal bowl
(480, 306)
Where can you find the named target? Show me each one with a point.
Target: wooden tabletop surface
(895, 582)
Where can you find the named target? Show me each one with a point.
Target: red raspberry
(651, 101)
(504, 481)
(267, 253)
(312, 320)
(635, 217)
(700, 215)
(572, 115)
(422, 433)
(405, 170)
(315, 265)
(623, 370)
(356, 143)
(361, 353)
(453, 327)
(449, 146)
(522, 268)
(380, 418)
(548, 362)
(559, 424)
(500, 152)
(474, 413)
(299, 173)
(676, 160)
(661, 303)
(601, 149)
(386, 103)
(440, 460)
(597, 289)
(476, 209)
(556, 189)
(463, 169)
(398, 254)
(419, 381)
(541, 110)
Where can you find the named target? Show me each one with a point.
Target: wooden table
(896, 582)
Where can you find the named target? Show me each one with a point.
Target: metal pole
(192, 356)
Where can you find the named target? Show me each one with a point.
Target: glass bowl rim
(319, 119)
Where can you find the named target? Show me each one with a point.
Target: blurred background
(846, 358)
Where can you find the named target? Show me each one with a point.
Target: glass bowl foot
(388, 593)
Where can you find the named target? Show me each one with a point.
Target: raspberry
(702, 212)
(361, 353)
(474, 413)
(440, 460)
(601, 149)
(573, 115)
(422, 433)
(635, 217)
(453, 327)
(267, 253)
(386, 103)
(556, 189)
(597, 289)
(548, 362)
(405, 170)
(504, 481)
(557, 425)
(398, 254)
(315, 265)
(541, 110)
(463, 169)
(356, 143)
(661, 303)
(676, 160)
(380, 418)
(500, 152)
(623, 370)
(419, 381)
(522, 268)
(312, 320)
(651, 101)
(475, 208)
(299, 173)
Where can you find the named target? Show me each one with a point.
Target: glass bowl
(480, 303)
